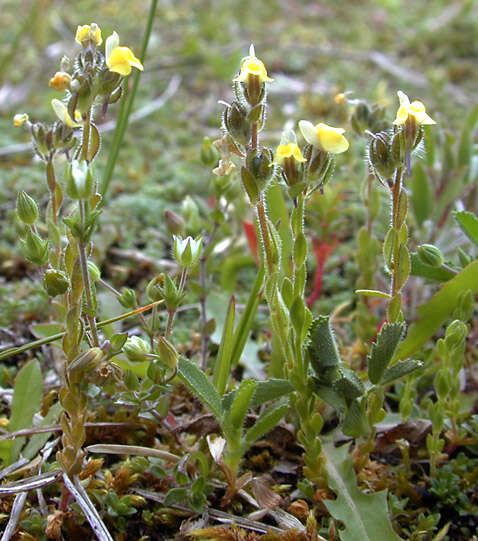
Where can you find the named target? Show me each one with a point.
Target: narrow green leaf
(241, 402)
(468, 223)
(365, 516)
(383, 350)
(37, 441)
(373, 293)
(278, 213)
(271, 390)
(400, 369)
(27, 397)
(222, 366)
(403, 266)
(199, 385)
(421, 196)
(247, 318)
(434, 313)
(266, 422)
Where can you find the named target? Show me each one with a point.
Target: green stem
(86, 280)
(126, 107)
(266, 241)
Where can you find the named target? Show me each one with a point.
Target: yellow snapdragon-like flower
(325, 137)
(61, 111)
(20, 119)
(89, 32)
(60, 81)
(415, 109)
(120, 59)
(251, 65)
(290, 150)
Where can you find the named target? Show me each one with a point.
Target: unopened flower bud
(209, 153)
(60, 81)
(20, 119)
(167, 353)
(154, 289)
(86, 362)
(55, 282)
(456, 334)
(381, 156)
(136, 349)
(27, 209)
(94, 271)
(259, 165)
(88, 33)
(175, 223)
(237, 124)
(190, 213)
(128, 298)
(187, 251)
(360, 119)
(35, 249)
(80, 183)
(430, 255)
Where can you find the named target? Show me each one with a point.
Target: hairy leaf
(383, 350)
(199, 385)
(324, 354)
(400, 369)
(365, 516)
(266, 422)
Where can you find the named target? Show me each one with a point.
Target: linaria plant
(89, 83)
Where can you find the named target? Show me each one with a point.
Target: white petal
(111, 42)
(309, 132)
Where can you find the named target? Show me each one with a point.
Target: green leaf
(27, 397)
(266, 422)
(241, 403)
(373, 293)
(355, 422)
(37, 441)
(278, 213)
(421, 196)
(419, 268)
(383, 350)
(434, 313)
(271, 390)
(199, 385)
(400, 369)
(247, 318)
(323, 351)
(222, 366)
(365, 516)
(468, 223)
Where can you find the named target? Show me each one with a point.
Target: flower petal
(111, 43)
(332, 139)
(309, 132)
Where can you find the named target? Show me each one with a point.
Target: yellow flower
(20, 119)
(89, 32)
(251, 65)
(291, 150)
(416, 109)
(325, 137)
(62, 113)
(60, 81)
(120, 59)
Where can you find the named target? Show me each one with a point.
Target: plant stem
(266, 241)
(126, 107)
(86, 280)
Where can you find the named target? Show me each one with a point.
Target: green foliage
(365, 516)
(383, 350)
(468, 223)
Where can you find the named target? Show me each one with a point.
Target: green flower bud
(320, 164)
(190, 213)
(35, 249)
(380, 155)
(175, 223)
(85, 363)
(259, 164)
(94, 271)
(187, 251)
(128, 298)
(360, 119)
(456, 334)
(136, 349)
(209, 153)
(154, 289)
(167, 353)
(80, 183)
(55, 282)
(236, 123)
(27, 209)
(430, 255)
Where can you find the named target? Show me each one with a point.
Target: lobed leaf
(383, 350)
